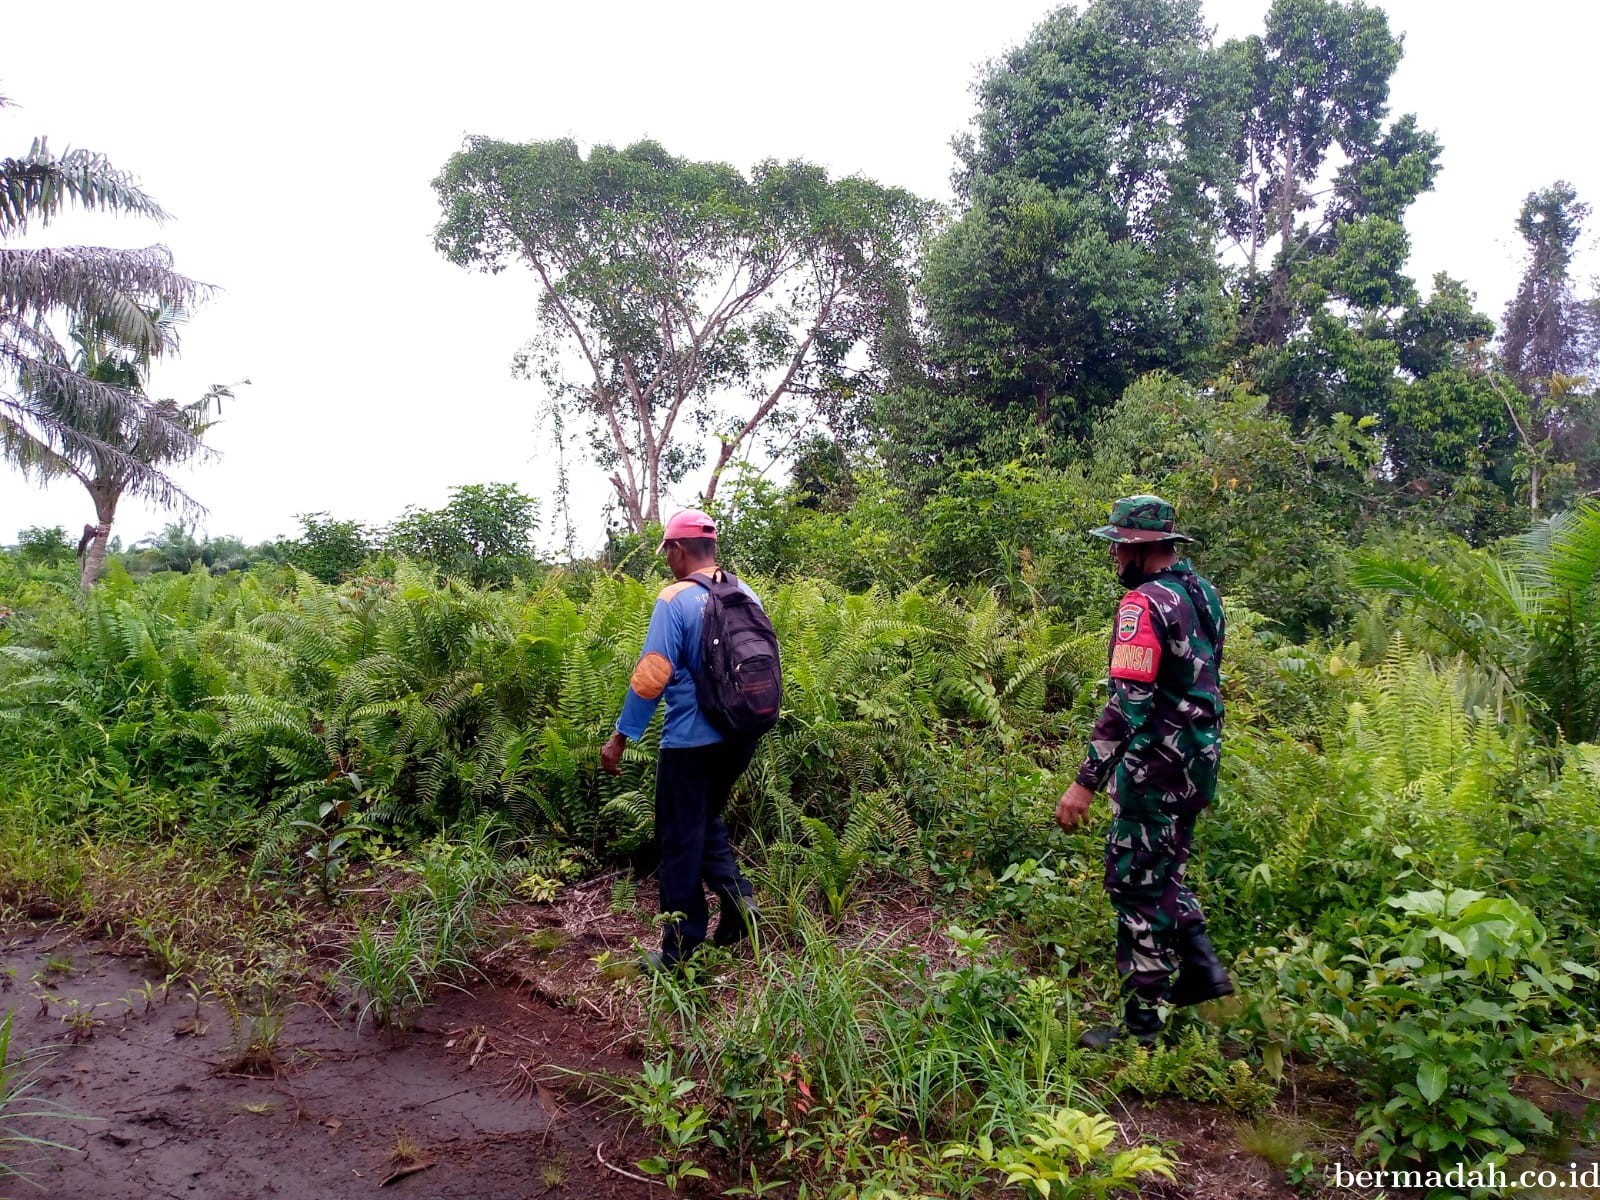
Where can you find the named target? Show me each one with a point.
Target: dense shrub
(306, 726)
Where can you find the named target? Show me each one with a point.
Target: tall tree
(1091, 192)
(1550, 343)
(1547, 330)
(1325, 180)
(1316, 93)
(679, 294)
(116, 290)
(141, 443)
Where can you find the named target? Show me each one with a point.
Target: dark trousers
(1147, 862)
(692, 788)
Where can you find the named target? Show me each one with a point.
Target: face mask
(1131, 574)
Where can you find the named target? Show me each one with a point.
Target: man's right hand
(1073, 806)
(611, 754)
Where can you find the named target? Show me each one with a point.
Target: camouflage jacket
(1162, 725)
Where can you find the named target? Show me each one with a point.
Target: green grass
(20, 1111)
(851, 1042)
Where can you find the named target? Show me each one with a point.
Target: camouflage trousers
(1147, 857)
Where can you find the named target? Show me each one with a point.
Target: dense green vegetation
(1172, 266)
(1399, 863)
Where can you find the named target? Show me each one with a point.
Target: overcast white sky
(294, 144)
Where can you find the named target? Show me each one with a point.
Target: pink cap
(690, 523)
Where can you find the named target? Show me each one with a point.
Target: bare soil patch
(344, 1115)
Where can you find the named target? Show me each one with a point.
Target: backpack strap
(1201, 604)
(720, 576)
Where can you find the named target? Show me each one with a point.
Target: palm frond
(124, 292)
(1571, 559)
(1454, 613)
(65, 423)
(40, 183)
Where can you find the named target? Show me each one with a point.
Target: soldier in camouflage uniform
(1157, 745)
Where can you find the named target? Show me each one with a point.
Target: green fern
(835, 861)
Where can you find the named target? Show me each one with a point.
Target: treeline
(483, 534)
(1134, 198)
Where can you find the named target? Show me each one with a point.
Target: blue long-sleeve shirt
(666, 670)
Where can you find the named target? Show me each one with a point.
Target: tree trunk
(1041, 406)
(1255, 221)
(1278, 310)
(630, 502)
(105, 508)
(1534, 453)
(730, 446)
(95, 559)
(725, 454)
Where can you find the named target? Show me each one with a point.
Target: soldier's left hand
(1073, 806)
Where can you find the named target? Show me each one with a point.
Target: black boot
(738, 916)
(1201, 976)
(1141, 1021)
(655, 962)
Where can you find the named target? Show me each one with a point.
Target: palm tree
(48, 410)
(142, 443)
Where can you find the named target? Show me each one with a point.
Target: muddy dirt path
(344, 1115)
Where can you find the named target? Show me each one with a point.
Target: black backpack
(740, 681)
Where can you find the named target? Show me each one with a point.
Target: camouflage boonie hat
(1141, 519)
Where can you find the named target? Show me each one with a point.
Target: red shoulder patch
(1135, 648)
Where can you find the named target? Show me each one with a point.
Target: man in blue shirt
(698, 766)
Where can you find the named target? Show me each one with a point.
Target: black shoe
(738, 917)
(1141, 1022)
(1102, 1037)
(653, 962)
(1201, 976)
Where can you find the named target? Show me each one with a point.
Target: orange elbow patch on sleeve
(651, 675)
